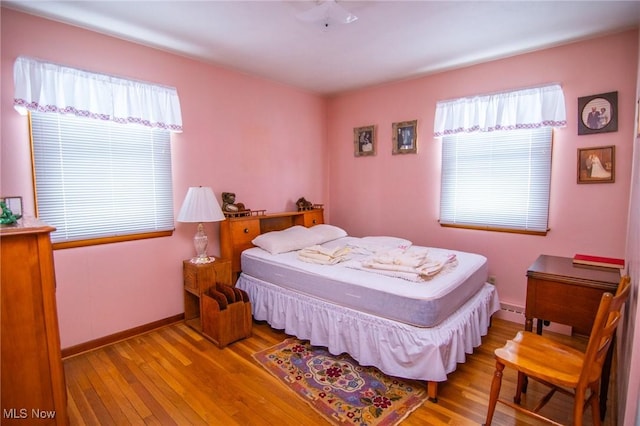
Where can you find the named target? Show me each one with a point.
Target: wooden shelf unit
(236, 233)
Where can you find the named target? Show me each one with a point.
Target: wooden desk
(560, 292)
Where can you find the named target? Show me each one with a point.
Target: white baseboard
(515, 313)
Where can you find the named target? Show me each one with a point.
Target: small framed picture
(638, 118)
(14, 205)
(364, 141)
(597, 165)
(405, 137)
(598, 113)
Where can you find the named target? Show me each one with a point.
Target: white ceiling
(391, 40)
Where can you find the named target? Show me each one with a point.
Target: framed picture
(638, 118)
(597, 165)
(364, 141)
(13, 210)
(405, 137)
(598, 113)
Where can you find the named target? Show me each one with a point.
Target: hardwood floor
(173, 376)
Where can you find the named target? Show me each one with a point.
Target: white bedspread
(395, 348)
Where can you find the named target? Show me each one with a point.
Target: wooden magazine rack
(226, 315)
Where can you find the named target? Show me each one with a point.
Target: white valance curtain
(521, 109)
(47, 87)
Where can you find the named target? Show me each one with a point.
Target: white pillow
(294, 238)
(326, 232)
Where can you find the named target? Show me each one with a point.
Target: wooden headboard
(236, 233)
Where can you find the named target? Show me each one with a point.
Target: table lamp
(200, 205)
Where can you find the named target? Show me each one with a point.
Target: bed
(415, 325)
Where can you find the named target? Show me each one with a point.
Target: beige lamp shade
(200, 205)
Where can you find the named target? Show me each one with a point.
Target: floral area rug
(339, 388)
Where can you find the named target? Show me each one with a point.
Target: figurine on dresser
(232, 209)
(303, 204)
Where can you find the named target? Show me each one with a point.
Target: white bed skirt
(395, 348)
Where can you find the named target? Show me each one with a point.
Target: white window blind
(98, 179)
(497, 180)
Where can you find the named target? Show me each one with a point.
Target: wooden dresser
(236, 233)
(33, 383)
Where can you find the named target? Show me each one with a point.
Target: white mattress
(421, 304)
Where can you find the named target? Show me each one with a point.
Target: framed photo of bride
(597, 164)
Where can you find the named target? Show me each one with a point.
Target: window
(101, 181)
(101, 151)
(497, 180)
(496, 158)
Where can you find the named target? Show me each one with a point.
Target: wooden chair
(561, 367)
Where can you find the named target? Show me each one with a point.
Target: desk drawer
(563, 303)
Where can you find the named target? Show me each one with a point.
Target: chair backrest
(604, 327)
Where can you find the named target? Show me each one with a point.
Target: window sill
(495, 229)
(109, 240)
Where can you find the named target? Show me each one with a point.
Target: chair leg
(520, 387)
(523, 388)
(578, 406)
(595, 405)
(496, 384)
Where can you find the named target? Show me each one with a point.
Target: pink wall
(262, 140)
(401, 193)
(266, 142)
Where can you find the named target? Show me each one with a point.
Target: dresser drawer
(244, 231)
(313, 217)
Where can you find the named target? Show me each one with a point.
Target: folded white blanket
(426, 270)
(400, 257)
(323, 255)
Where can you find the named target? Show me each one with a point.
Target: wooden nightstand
(198, 278)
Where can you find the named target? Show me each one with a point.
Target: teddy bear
(229, 204)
